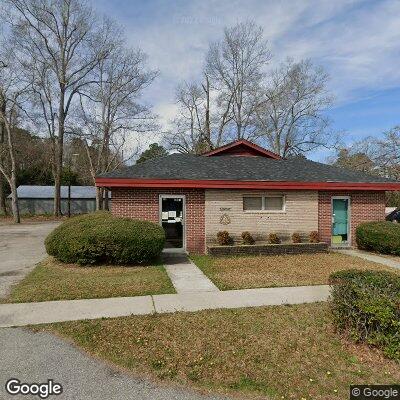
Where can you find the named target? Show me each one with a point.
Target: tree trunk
(59, 155)
(57, 192)
(106, 203)
(3, 204)
(12, 177)
(207, 118)
(99, 198)
(14, 199)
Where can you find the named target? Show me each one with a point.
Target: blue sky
(357, 42)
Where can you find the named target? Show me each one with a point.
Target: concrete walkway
(185, 275)
(21, 314)
(371, 257)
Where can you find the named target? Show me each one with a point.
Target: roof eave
(229, 184)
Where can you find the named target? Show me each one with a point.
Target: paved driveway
(37, 357)
(21, 247)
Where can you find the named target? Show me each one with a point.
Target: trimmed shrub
(273, 238)
(247, 238)
(223, 238)
(314, 237)
(296, 238)
(382, 237)
(366, 306)
(101, 238)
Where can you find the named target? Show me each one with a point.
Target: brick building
(243, 187)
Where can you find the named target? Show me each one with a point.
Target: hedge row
(366, 305)
(101, 238)
(382, 237)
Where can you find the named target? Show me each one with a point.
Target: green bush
(382, 237)
(366, 305)
(101, 238)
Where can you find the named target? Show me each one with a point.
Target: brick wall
(364, 207)
(144, 204)
(305, 211)
(300, 215)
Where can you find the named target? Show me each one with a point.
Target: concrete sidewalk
(185, 275)
(371, 257)
(21, 314)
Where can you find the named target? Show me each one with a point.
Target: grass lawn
(52, 280)
(281, 352)
(245, 272)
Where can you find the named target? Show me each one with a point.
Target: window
(274, 203)
(252, 203)
(264, 203)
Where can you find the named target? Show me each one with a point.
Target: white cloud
(358, 42)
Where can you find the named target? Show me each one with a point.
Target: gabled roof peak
(243, 148)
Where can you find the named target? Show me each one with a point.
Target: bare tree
(290, 114)
(59, 44)
(386, 152)
(110, 112)
(3, 204)
(236, 66)
(379, 155)
(190, 128)
(222, 105)
(202, 120)
(12, 96)
(376, 155)
(355, 159)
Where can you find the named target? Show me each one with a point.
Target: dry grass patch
(52, 280)
(245, 272)
(284, 352)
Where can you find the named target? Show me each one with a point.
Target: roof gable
(242, 148)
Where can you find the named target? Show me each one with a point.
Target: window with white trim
(252, 203)
(264, 203)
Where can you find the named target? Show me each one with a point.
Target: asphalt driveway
(21, 247)
(37, 357)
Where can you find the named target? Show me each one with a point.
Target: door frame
(174, 196)
(348, 243)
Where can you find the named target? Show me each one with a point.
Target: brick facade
(305, 211)
(364, 207)
(144, 204)
(300, 214)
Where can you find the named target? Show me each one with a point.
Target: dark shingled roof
(192, 167)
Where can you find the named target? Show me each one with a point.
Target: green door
(340, 218)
